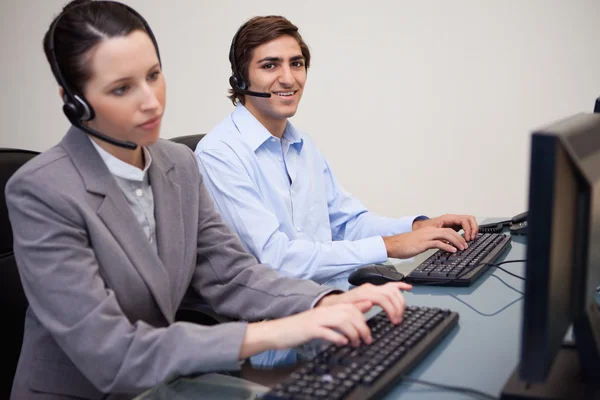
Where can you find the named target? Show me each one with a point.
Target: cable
(464, 390)
(508, 272)
(486, 314)
(507, 285)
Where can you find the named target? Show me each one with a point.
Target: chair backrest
(13, 302)
(190, 141)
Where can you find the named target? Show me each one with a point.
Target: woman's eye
(120, 91)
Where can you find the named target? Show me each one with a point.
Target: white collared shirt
(135, 185)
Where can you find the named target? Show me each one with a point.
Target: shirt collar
(122, 169)
(293, 137)
(256, 134)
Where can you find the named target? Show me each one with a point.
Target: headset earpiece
(237, 83)
(236, 80)
(87, 111)
(78, 109)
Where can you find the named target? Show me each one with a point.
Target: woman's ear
(61, 92)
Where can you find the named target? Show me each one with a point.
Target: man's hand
(468, 223)
(386, 296)
(406, 245)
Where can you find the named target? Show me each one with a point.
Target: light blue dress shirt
(282, 199)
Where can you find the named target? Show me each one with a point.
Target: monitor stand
(564, 381)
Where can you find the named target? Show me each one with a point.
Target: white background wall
(420, 106)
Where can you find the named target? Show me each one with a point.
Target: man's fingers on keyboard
(454, 238)
(474, 227)
(438, 244)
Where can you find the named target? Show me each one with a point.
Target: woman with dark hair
(113, 226)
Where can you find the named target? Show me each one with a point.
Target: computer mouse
(375, 274)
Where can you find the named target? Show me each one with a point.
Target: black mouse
(375, 274)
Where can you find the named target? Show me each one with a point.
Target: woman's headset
(75, 106)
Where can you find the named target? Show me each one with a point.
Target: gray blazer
(102, 302)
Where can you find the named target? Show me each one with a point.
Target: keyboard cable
(497, 277)
(460, 389)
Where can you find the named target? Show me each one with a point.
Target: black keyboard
(368, 371)
(463, 267)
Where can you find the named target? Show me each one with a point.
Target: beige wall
(420, 106)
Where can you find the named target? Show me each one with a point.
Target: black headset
(236, 80)
(75, 106)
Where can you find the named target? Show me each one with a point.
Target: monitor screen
(563, 265)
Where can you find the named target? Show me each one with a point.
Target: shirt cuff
(418, 218)
(372, 250)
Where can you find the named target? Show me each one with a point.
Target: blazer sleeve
(63, 283)
(233, 282)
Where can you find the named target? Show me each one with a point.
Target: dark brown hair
(85, 23)
(255, 32)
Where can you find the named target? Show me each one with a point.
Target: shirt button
(280, 159)
(139, 192)
(273, 139)
(297, 228)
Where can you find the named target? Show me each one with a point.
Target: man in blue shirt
(277, 191)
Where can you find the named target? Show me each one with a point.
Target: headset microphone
(236, 80)
(74, 117)
(241, 88)
(75, 107)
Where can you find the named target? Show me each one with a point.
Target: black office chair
(190, 141)
(192, 308)
(597, 105)
(13, 302)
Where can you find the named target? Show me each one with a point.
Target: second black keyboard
(463, 267)
(368, 371)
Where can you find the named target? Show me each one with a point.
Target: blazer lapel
(170, 236)
(116, 213)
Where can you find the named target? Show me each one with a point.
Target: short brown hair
(255, 32)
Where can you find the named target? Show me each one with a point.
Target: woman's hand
(337, 318)
(386, 296)
(340, 324)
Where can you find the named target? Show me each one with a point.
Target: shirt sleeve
(350, 220)
(241, 205)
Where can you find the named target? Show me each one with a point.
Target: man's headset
(75, 107)
(236, 80)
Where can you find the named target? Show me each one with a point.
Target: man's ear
(61, 92)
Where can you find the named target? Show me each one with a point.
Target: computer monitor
(563, 264)
(597, 106)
